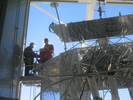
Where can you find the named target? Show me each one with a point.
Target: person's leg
(32, 72)
(27, 69)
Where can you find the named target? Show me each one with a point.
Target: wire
(63, 94)
(46, 12)
(75, 77)
(75, 45)
(60, 26)
(83, 89)
(52, 85)
(50, 29)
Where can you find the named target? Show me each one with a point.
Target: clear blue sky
(38, 28)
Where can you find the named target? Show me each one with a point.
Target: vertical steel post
(113, 88)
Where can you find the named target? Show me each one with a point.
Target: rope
(83, 88)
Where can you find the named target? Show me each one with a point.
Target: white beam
(90, 10)
(113, 88)
(63, 1)
(93, 87)
(124, 2)
(89, 15)
(47, 13)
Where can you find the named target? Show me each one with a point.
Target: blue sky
(38, 28)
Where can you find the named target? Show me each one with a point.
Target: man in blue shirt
(29, 58)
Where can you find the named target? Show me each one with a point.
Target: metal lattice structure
(70, 73)
(67, 73)
(95, 29)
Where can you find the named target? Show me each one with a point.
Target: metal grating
(67, 73)
(30, 80)
(95, 29)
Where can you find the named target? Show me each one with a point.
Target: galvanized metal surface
(95, 29)
(30, 80)
(67, 74)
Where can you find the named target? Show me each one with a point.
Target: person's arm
(41, 49)
(35, 54)
(51, 49)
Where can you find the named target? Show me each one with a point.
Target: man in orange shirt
(46, 52)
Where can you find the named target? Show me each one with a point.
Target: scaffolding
(104, 65)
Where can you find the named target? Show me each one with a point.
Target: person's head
(32, 45)
(46, 41)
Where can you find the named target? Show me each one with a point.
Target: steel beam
(113, 88)
(124, 2)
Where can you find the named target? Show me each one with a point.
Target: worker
(46, 52)
(29, 56)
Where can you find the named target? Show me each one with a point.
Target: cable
(50, 29)
(83, 89)
(52, 85)
(75, 45)
(55, 6)
(63, 94)
(75, 77)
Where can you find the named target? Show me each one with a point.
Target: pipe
(113, 88)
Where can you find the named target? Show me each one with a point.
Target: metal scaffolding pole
(113, 88)
(93, 88)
